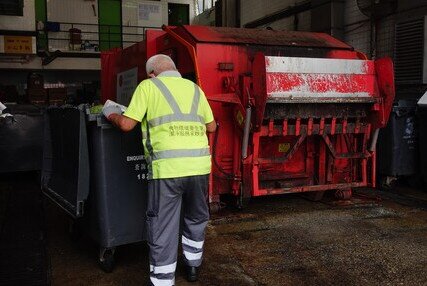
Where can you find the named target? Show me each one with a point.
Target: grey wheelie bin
(398, 144)
(21, 139)
(97, 174)
(422, 118)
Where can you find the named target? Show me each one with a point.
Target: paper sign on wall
(148, 11)
(126, 85)
(18, 45)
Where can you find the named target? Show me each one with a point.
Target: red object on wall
(314, 103)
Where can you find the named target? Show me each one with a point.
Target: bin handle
(373, 145)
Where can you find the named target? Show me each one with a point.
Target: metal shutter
(409, 51)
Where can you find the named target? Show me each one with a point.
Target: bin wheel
(74, 230)
(106, 259)
(214, 207)
(387, 183)
(314, 196)
(343, 194)
(415, 182)
(242, 203)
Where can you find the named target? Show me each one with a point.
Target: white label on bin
(135, 158)
(141, 167)
(126, 85)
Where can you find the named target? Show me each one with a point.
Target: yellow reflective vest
(173, 112)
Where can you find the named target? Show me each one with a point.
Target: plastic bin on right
(398, 144)
(422, 119)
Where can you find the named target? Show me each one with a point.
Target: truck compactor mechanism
(296, 111)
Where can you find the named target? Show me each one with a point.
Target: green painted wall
(40, 6)
(41, 15)
(110, 21)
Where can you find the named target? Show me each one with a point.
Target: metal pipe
(246, 133)
(373, 34)
(374, 140)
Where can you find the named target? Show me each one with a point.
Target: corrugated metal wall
(410, 51)
(356, 27)
(252, 10)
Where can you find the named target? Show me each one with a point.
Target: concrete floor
(375, 239)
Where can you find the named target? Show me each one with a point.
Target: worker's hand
(111, 107)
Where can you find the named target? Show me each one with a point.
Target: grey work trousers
(165, 199)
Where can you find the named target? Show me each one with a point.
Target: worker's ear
(151, 75)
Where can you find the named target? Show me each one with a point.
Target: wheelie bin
(422, 118)
(398, 144)
(97, 174)
(21, 139)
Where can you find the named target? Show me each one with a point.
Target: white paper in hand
(111, 107)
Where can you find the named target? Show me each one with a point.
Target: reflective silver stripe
(144, 135)
(179, 153)
(170, 268)
(193, 256)
(149, 158)
(162, 282)
(176, 117)
(196, 98)
(192, 243)
(167, 94)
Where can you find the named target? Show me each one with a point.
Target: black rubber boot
(191, 273)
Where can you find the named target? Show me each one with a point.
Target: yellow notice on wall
(18, 45)
(284, 147)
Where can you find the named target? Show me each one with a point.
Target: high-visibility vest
(189, 154)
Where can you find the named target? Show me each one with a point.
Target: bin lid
(423, 100)
(205, 34)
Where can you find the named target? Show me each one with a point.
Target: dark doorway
(178, 14)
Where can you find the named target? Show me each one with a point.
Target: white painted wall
(130, 17)
(72, 11)
(130, 11)
(24, 23)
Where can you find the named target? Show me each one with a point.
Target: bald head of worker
(158, 64)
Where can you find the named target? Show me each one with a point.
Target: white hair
(159, 63)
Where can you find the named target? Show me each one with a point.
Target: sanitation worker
(175, 117)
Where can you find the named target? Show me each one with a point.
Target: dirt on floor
(374, 239)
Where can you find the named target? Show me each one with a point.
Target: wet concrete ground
(376, 239)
